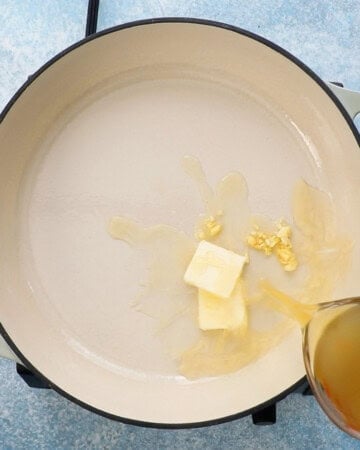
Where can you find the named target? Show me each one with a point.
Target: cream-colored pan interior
(102, 132)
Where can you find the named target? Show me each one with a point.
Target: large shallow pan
(100, 130)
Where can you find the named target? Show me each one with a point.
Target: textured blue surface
(31, 31)
(325, 35)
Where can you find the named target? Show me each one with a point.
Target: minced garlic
(208, 228)
(279, 244)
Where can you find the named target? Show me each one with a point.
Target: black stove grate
(92, 17)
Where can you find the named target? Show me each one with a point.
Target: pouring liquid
(164, 296)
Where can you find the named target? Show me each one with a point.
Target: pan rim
(142, 423)
(117, 28)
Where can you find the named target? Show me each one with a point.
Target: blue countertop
(323, 34)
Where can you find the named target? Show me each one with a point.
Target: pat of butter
(214, 269)
(216, 313)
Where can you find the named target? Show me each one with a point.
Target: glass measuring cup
(327, 314)
(334, 328)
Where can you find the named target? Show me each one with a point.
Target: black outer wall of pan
(91, 26)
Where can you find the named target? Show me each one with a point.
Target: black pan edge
(140, 423)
